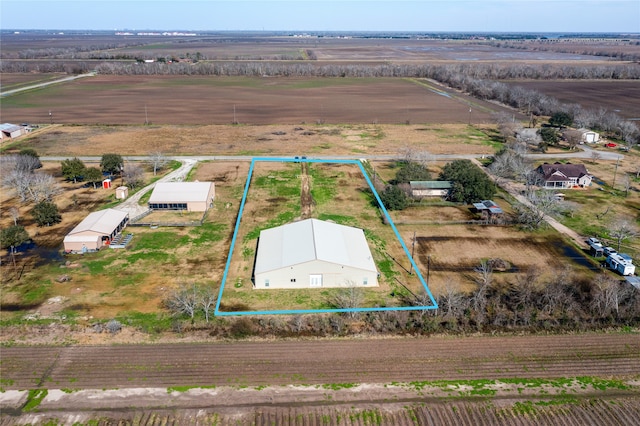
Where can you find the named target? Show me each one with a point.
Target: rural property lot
(105, 99)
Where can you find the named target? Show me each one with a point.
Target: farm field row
(465, 380)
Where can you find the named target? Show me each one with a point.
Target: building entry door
(315, 280)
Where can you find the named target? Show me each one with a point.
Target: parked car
(609, 250)
(593, 241)
(610, 145)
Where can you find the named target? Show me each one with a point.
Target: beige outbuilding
(97, 230)
(187, 196)
(313, 253)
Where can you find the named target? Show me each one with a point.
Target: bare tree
(14, 212)
(484, 278)
(541, 204)
(42, 187)
(452, 302)
(158, 160)
(350, 297)
(608, 295)
(595, 156)
(184, 300)
(133, 174)
(622, 230)
(573, 138)
(208, 298)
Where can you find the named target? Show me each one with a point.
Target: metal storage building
(188, 196)
(97, 230)
(313, 253)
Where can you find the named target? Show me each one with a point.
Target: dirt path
(306, 200)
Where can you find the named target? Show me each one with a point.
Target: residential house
(563, 176)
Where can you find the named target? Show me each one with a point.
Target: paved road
(48, 83)
(584, 153)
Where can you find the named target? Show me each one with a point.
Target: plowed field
(251, 382)
(317, 362)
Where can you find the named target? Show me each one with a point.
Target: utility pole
(615, 172)
(428, 268)
(469, 116)
(50, 117)
(413, 249)
(146, 116)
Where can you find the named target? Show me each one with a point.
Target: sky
(555, 16)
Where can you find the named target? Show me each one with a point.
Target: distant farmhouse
(430, 188)
(97, 230)
(563, 176)
(313, 253)
(187, 196)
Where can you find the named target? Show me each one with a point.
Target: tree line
(525, 302)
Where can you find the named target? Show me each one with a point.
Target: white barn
(97, 230)
(313, 253)
(188, 196)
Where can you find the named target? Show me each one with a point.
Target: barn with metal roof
(98, 229)
(188, 196)
(314, 253)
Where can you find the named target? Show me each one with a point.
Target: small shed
(97, 230)
(106, 183)
(8, 130)
(430, 188)
(122, 192)
(188, 196)
(488, 209)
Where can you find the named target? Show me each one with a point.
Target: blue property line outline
(217, 311)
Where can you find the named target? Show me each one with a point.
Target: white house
(313, 253)
(188, 196)
(97, 230)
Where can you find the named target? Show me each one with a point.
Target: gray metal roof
(102, 222)
(430, 184)
(309, 240)
(180, 192)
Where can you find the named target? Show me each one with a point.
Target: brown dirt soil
(320, 361)
(122, 100)
(613, 95)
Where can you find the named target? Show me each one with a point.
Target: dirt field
(212, 100)
(285, 140)
(409, 381)
(613, 95)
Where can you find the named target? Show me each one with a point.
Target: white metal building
(313, 253)
(188, 196)
(96, 230)
(8, 130)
